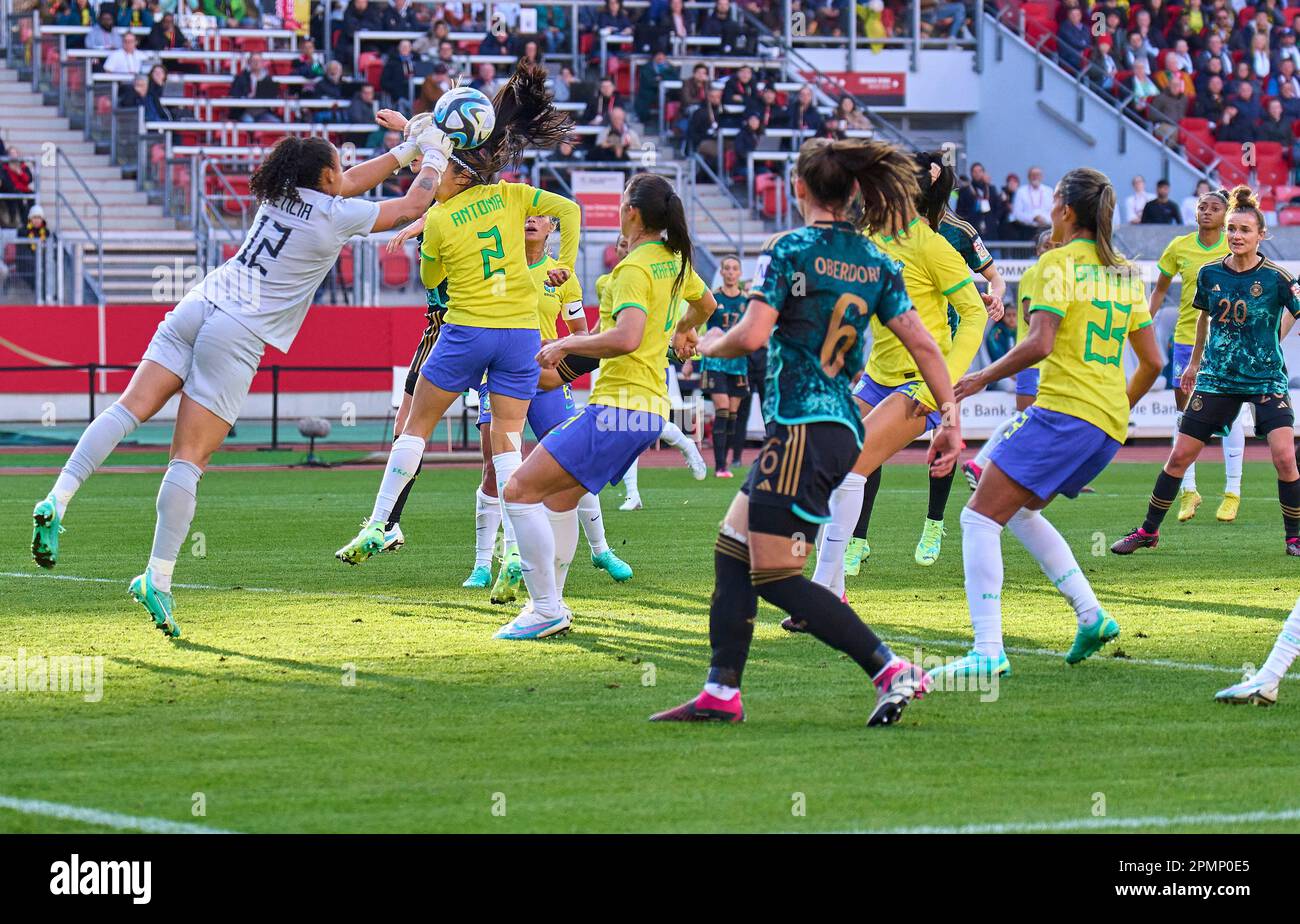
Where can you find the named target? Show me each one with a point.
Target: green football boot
(612, 565)
(159, 603)
(972, 666)
(480, 577)
(855, 553)
(1088, 642)
(507, 586)
(931, 544)
(46, 527)
(367, 543)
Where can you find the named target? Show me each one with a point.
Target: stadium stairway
(137, 237)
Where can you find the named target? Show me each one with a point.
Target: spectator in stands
(34, 239)
(695, 90)
(1247, 102)
(1210, 102)
(1214, 48)
(1187, 208)
(848, 117)
(255, 82)
(431, 89)
(1213, 68)
(358, 17)
(564, 85)
(127, 59)
(532, 52)
(936, 15)
(399, 16)
(132, 14)
(1289, 94)
(1136, 201)
(1260, 57)
(426, 46)
(329, 87)
(612, 20)
(1241, 74)
(1173, 73)
(746, 143)
(1102, 68)
(553, 27)
(619, 141)
(399, 71)
(1244, 40)
(1135, 52)
(980, 202)
(598, 107)
(1167, 109)
(1285, 72)
(771, 114)
(648, 78)
(486, 81)
(16, 178)
(718, 22)
(78, 13)
(804, 114)
(1072, 38)
(740, 89)
(1222, 27)
(232, 13)
(831, 18)
(166, 35)
(361, 111)
(702, 131)
(1142, 87)
(1152, 40)
(1233, 127)
(446, 56)
(1161, 210)
(1182, 60)
(676, 21)
(103, 35)
(1287, 50)
(1008, 228)
(132, 95)
(310, 63)
(1275, 126)
(1031, 208)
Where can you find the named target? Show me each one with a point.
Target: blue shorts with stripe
(598, 444)
(872, 392)
(1049, 453)
(464, 355)
(546, 411)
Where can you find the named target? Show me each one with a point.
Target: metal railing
(737, 243)
(95, 237)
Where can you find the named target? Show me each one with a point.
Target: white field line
(1101, 824)
(105, 819)
(383, 598)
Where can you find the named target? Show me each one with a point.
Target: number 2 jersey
(827, 282)
(1243, 353)
(1098, 306)
(269, 283)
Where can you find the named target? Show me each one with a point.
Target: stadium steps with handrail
(137, 237)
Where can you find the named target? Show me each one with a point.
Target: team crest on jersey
(1256, 290)
(1295, 288)
(1197, 403)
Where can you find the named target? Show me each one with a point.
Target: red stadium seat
(1272, 171)
(1289, 216)
(228, 251)
(11, 253)
(247, 45)
(396, 269)
(671, 108)
(1269, 149)
(1286, 194)
(103, 105)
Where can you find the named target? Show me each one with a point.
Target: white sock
(564, 524)
(505, 464)
(1189, 477)
(593, 523)
(982, 457)
(630, 480)
(981, 556)
(160, 570)
(1234, 451)
(177, 497)
(96, 442)
(1285, 648)
(536, 555)
(846, 505)
(487, 519)
(721, 690)
(1053, 555)
(403, 459)
(674, 437)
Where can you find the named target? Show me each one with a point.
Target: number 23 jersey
(1099, 307)
(1243, 355)
(292, 243)
(826, 281)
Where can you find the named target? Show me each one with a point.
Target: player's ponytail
(663, 210)
(934, 195)
(1243, 200)
(1092, 197)
(525, 118)
(877, 180)
(293, 162)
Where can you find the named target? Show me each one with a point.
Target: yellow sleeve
(693, 287)
(569, 214)
(1140, 315)
(432, 269)
(950, 274)
(1169, 259)
(571, 291)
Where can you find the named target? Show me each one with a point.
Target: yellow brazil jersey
(1184, 258)
(602, 287)
(1026, 289)
(475, 240)
(554, 301)
(1083, 376)
(935, 275)
(643, 281)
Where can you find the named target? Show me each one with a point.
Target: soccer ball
(466, 116)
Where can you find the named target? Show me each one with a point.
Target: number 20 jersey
(292, 243)
(1243, 355)
(826, 282)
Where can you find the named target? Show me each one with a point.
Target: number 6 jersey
(1243, 355)
(1098, 306)
(269, 283)
(826, 281)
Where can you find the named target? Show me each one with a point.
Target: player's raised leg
(593, 527)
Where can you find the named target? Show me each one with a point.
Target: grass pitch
(445, 729)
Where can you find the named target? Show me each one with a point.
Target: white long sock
(1285, 648)
(674, 437)
(564, 524)
(177, 497)
(403, 459)
(96, 442)
(981, 556)
(487, 519)
(1189, 477)
(982, 457)
(593, 523)
(846, 505)
(536, 555)
(630, 482)
(1234, 451)
(505, 464)
(1052, 552)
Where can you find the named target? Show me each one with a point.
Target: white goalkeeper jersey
(269, 283)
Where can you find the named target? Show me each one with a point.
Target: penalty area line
(1101, 823)
(381, 598)
(104, 819)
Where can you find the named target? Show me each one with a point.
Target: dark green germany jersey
(1243, 354)
(825, 281)
(728, 313)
